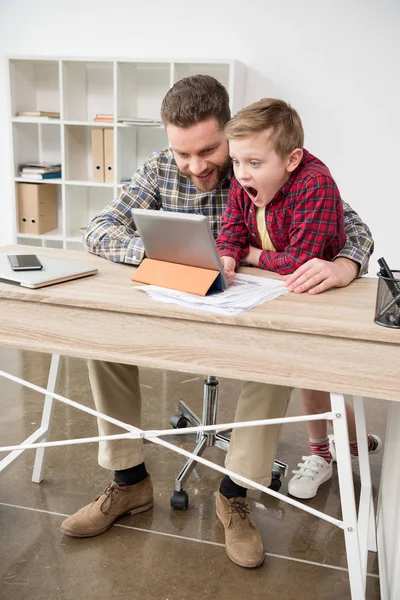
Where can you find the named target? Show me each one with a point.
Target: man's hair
(275, 115)
(195, 99)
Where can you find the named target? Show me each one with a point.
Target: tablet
(182, 238)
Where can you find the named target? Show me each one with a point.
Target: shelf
(82, 203)
(218, 70)
(88, 89)
(141, 88)
(38, 120)
(35, 142)
(89, 124)
(52, 181)
(79, 89)
(76, 238)
(140, 126)
(134, 145)
(89, 183)
(56, 234)
(34, 85)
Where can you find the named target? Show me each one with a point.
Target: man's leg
(251, 453)
(116, 393)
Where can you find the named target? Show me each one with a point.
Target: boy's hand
(229, 265)
(317, 275)
(253, 256)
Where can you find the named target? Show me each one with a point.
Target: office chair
(179, 497)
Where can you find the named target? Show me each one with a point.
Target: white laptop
(53, 271)
(182, 238)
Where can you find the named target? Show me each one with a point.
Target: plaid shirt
(304, 220)
(159, 184)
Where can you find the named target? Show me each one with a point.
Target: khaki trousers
(116, 393)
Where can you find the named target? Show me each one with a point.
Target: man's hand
(317, 275)
(253, 256)
(229, 265)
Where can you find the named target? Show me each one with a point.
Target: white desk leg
(388, 509)
(347, 499)
(47, 416)
(366, 511)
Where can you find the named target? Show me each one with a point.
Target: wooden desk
(327, 342)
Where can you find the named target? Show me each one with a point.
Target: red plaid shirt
(304, 220)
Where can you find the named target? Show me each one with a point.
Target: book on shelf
(40, 170)
(140, 121)
(41, 176)
(109, 118)
(103, 118)
(40, 164)
(38, 113)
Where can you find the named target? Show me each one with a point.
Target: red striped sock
(354, 447)
(320, 448)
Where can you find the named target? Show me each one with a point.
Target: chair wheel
(276, 482)
(179, 421)
(179, 500)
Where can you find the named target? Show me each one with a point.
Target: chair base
(179, 498)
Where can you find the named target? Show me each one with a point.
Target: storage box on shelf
(37, 208)
(80, 90)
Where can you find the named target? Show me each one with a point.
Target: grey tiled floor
(161, 554)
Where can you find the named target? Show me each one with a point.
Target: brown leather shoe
(243, 542)
(116, 501)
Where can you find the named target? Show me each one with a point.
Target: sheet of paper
(245, 292)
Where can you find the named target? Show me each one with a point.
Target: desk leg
(47, 416)
(366, 511)
(347, 499)
(388, 516)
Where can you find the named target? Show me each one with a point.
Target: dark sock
(230, 489)
(132, 475)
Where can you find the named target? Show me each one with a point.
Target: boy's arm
(317, 219)
(232, 239)
(112, 234)
(318, 275)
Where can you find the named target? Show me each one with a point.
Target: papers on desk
(244, 293)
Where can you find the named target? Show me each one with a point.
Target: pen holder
(387, 311)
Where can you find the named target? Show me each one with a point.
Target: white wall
(336, 61)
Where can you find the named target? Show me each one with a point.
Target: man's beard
(219, 172)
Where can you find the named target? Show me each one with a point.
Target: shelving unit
(79, 89)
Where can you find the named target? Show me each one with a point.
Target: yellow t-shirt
(262, 230)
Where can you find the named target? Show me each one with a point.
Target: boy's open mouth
(251, 192)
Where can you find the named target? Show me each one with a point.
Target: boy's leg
(317, 468)
(116, 393)
(251, 454)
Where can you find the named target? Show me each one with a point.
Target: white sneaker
(376, 450)
(313, 471)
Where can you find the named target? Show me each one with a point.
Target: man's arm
(318, 275)
(112, 234)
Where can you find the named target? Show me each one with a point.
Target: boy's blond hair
(269, 113)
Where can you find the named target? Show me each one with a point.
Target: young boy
(283, 207)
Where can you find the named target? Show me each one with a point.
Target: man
(191, 176)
